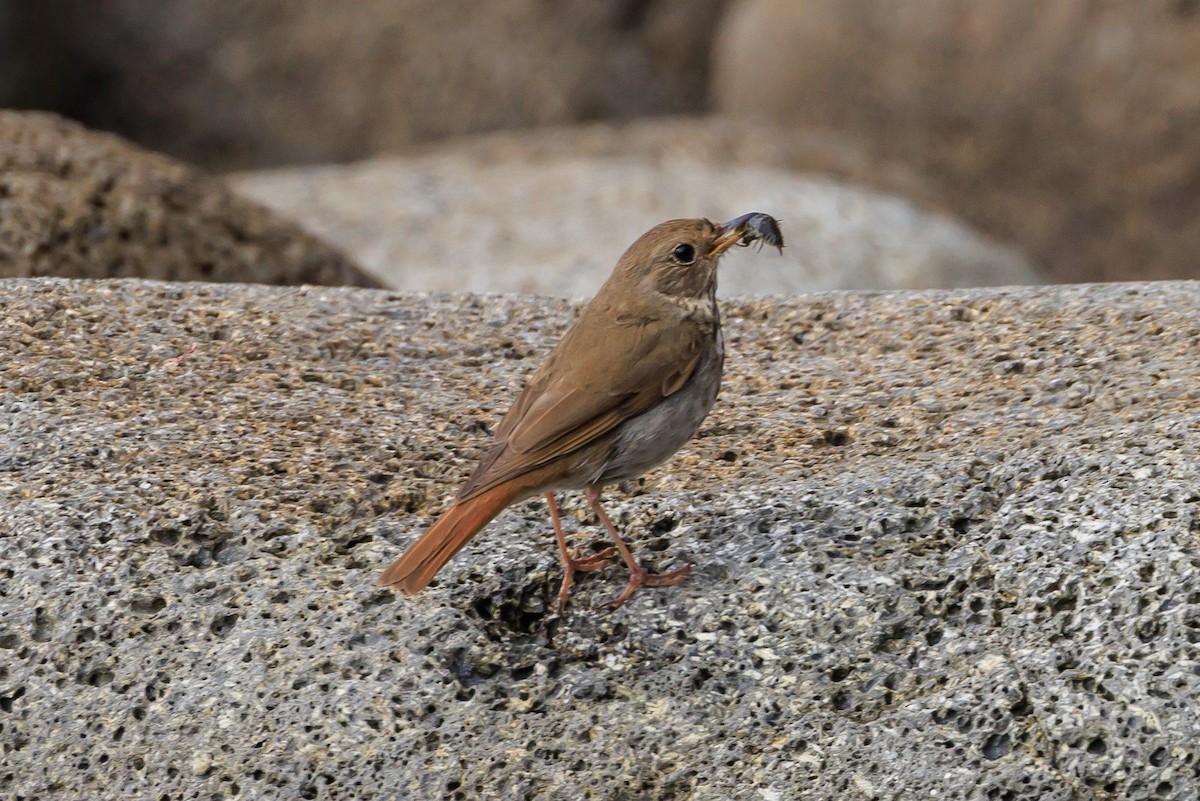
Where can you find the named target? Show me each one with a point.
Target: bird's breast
(644, 441)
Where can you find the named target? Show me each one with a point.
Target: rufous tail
(425, 557)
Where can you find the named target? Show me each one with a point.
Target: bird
(625, 388)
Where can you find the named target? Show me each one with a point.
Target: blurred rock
(80, 204)
(1071, 126)
(254, 82)
(553, 214)
(713, 139)
(945, 548)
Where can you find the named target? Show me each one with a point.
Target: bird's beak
(728, 235)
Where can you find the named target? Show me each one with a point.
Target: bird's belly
(642, 442)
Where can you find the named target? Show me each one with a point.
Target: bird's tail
(425, 557)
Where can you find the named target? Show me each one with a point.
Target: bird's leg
(571, 563)
(638, 575)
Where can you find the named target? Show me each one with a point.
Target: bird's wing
(573, 400)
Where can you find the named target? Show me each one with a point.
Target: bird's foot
(642, 577)
(573, 565)
(595, 561)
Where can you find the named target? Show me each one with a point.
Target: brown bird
(625, 388)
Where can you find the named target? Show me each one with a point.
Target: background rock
(1069, 127)
(749, 142)
(553, 216)
(252, 82)
(946, 546)
(79, 204)
(1065, 128)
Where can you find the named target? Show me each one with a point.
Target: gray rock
(555, 224)
(76, 203)
(946, 546)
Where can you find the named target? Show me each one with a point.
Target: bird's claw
(573, 565)
(642, 577)
(595, 561)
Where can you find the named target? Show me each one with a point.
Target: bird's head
(679, 257)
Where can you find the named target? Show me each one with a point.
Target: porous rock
(554, 214)
(946, 546)
(1070, 127)
(76, 203)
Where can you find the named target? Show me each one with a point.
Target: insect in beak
(746, 229)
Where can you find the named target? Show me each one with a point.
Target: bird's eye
(684, 254)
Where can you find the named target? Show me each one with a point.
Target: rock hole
(223, 625)
(996, 746)
(148, 606)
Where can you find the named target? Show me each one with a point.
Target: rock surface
(79, 204)
(550, 219)
(242, 83)
(946, 547)
(1071, 127)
